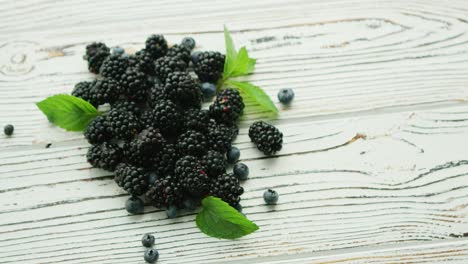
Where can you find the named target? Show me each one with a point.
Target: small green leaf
(255, 93)
(68, 112)
(231, 53)
(236, 63)
(219, 219)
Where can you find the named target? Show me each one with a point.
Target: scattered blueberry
(189, 204)
(148, 240)
(270, 196)
(8, 129)
(152, 178)
(233, 155)
(208, 90)
(171, 211)
(285, 96)
(188, 42)
(241, 171)
(151, 255)
(118, 50)
(134, 205)
(238, 207)
(195, 56)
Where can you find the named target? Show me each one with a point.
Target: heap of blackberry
(156, 137)
(96, 53)
(132, 179)
(209, 66)
(267, 137)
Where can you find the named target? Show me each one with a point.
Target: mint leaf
(256, 94)
(219, 219)
(68, 112)
(236, 63)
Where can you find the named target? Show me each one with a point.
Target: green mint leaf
(68, 112)
(236, 63)
(218, 219)
(255, 93)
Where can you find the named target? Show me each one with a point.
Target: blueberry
(238, 207)
(151, 255)
(208, 90)
(8, 129)
(117, 51)
(152, 178)
(285, 96)
(188, 42)
(171, 211)
(270, 196)
(241, 171)
(189, 204)
(134, 205)
(233, 155)
(195, 56)
(147, 240)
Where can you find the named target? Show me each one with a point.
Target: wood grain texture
(374, 166)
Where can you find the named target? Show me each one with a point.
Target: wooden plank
(344, 184)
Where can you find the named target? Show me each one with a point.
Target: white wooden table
(374, 167)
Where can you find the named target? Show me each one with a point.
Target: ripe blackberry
(164, 192)
(135, 84)
(214, 162)
(132, 179)
(164, 161)
(98, 131)
(195, 119)
(83, 90)
(183, 90)
(227, 188)
(96, 53)
(127, 106)
(166, 65)
(104, 155)
(156, 45)
(180, 52)
(209, 66)
(145, 61)
(165, 116)
(123, 125)
(156, 94)
(114, 66)
(227, 107)
(219, 136)
(192, 143)
(193, 176)
(105, 91)
(267, 137)
(142, 150)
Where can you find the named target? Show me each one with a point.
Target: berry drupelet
(183, 90)
(104, 155)
(227, 107)
(267, 137)
(209, 66)
(96, 53)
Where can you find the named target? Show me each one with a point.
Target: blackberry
(142, 150)
(219, 136)
(145, 61)
(123, 125)
(180, 52)
(135, 84)
(165, 116)
(114, 66)
(104, 155)
(166, 65)
(188, 42)
(209, 66)
(98, 130)
(227, 107)
(196, 119)
(164, 192)
(83, 90)
(104, 91)
(164, 161)
(127, 106)
(192, 143)
(133, 180)
(193, 176)
(135, 205)
(156, 95)
(96, 53)
(227, 188)
(285, 96)
(156, 45)
(183, 90)
(267, 137)
(8, 129)
(214, 162)
(147, 240)
(270, 197)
